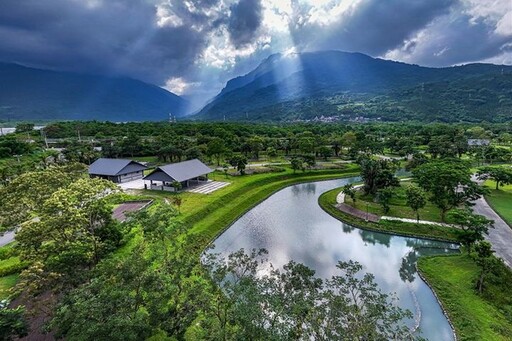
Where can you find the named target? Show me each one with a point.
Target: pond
(292, 226)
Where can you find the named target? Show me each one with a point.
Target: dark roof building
(181, 172)
(117, 170)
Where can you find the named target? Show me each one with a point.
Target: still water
(291, 226)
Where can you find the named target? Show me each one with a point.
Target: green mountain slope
(32, 94)
(350, 85)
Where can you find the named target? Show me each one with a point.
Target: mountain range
(353, 85)
(34, 94)
(284, 87)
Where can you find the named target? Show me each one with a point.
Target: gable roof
(180, 171)
(112, 167)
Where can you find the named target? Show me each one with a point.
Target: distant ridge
(34, 94)
(352, 85)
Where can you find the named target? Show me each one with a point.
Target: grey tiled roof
(112, 167)
(180, 171)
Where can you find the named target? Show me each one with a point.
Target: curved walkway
(501, 235)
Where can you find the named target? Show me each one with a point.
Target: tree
(384, 197)
(12, 322)
(239, 162)
(349, 190)
(309, 161)
(377, 174)
(216, 148)
(296, 163)
(349, 139)
(74, 229)
(24, 127)
(177, 186)
(271, 152)
(485, 260)
(325, 152)
(293, 304)
(416, 199)
(449, 183)
(473, 226)
(500, 174)
(24, 196)
(155, 290)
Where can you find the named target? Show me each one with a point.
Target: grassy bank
(474, 316)
(9, 266)
(500, 200)
(397, 206)
(328, 200)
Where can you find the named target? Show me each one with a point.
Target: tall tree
(449, 183)
(24, 196)
(416, 199)
(377, 174)
(73, 230)
(502, 175)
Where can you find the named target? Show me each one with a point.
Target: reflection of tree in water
(309, 188)
(347, 228)
(375, 238)
(407, 270)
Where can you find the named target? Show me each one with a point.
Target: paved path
(6, 238)
(340, 199)
(501, 235)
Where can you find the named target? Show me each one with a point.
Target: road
(501, 235)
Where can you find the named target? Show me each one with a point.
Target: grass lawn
(398, 206)
(500, 200)
(328, 200)
(475, 317)
(6, 283)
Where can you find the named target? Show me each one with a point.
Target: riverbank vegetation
(328, 201)
(486, 316)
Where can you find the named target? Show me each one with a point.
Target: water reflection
(291, 226)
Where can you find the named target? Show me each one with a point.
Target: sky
(193, 47)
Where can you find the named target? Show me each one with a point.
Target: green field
(6, 262)
(6, 283)
(328, 200)
(398, 206)
(500, 200)
(475, 317)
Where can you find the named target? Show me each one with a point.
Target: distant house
(163, 177)
(117, 170)
(478, 142)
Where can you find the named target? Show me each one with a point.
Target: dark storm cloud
(103, 36)
(374, 27)
(460, 40)
(244, 21)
